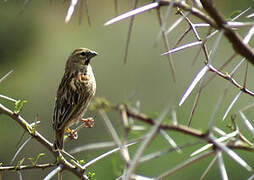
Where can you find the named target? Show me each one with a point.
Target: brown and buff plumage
(74, 93)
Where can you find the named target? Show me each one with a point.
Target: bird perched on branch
(74, 93)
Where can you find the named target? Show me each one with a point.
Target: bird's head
(80, 58)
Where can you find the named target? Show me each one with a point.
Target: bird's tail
(59, 137)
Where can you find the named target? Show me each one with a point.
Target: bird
(74, 94)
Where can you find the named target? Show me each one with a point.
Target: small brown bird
(74, 93)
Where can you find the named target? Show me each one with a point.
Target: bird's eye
(83, 53)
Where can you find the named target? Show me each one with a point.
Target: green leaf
(58, 159)
(91, 175)
(18, 106)
(81, 162)
(31, 131)
(38, 157)
(20, 162)
(34, 161)
(31, 159)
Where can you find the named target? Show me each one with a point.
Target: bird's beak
(92, 54)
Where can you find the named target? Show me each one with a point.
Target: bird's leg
(88, 122)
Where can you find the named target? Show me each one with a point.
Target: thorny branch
(178, 128)
(237, 42)
(232, 80)
(192, 10)
(214, 20)
(226, 147)
(217, 22)
(79, 172)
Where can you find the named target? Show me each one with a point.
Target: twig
(184, 164)
(116, 6)
(53, 173)
(93, 146)
(230, 79)
(166, 46)
(195, 104)
(179, 128)
(129, 33)
(123, 149)
(208, 168)
(237, 42)
(87, 13)
(221, 165)
(6, 75)
(21, 147)
(144, 144)
(26, 167)
(89, 163)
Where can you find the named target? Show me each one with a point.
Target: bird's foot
(89, 122)
(72, 134)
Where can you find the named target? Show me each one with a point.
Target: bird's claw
(89, 122)
(72, 134)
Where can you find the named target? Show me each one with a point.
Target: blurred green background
(35, 42)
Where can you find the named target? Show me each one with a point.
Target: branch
(179, 128)
(25, 167)
(77, 170)
(237, 42)
(192, 10)
(216, 21)
(25, 125)
(229, 78)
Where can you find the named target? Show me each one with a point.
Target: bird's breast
(84, 83)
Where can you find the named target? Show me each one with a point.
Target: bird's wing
(66, 104)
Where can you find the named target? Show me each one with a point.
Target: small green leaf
(38, 157)
(18, 106)
(34, 161)
(81, 162)
(20, 162)
(91, 175)
(230, 126)
(31, 160)
(35, 124)
(58, 159)
(1, 164)
(31, 131)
